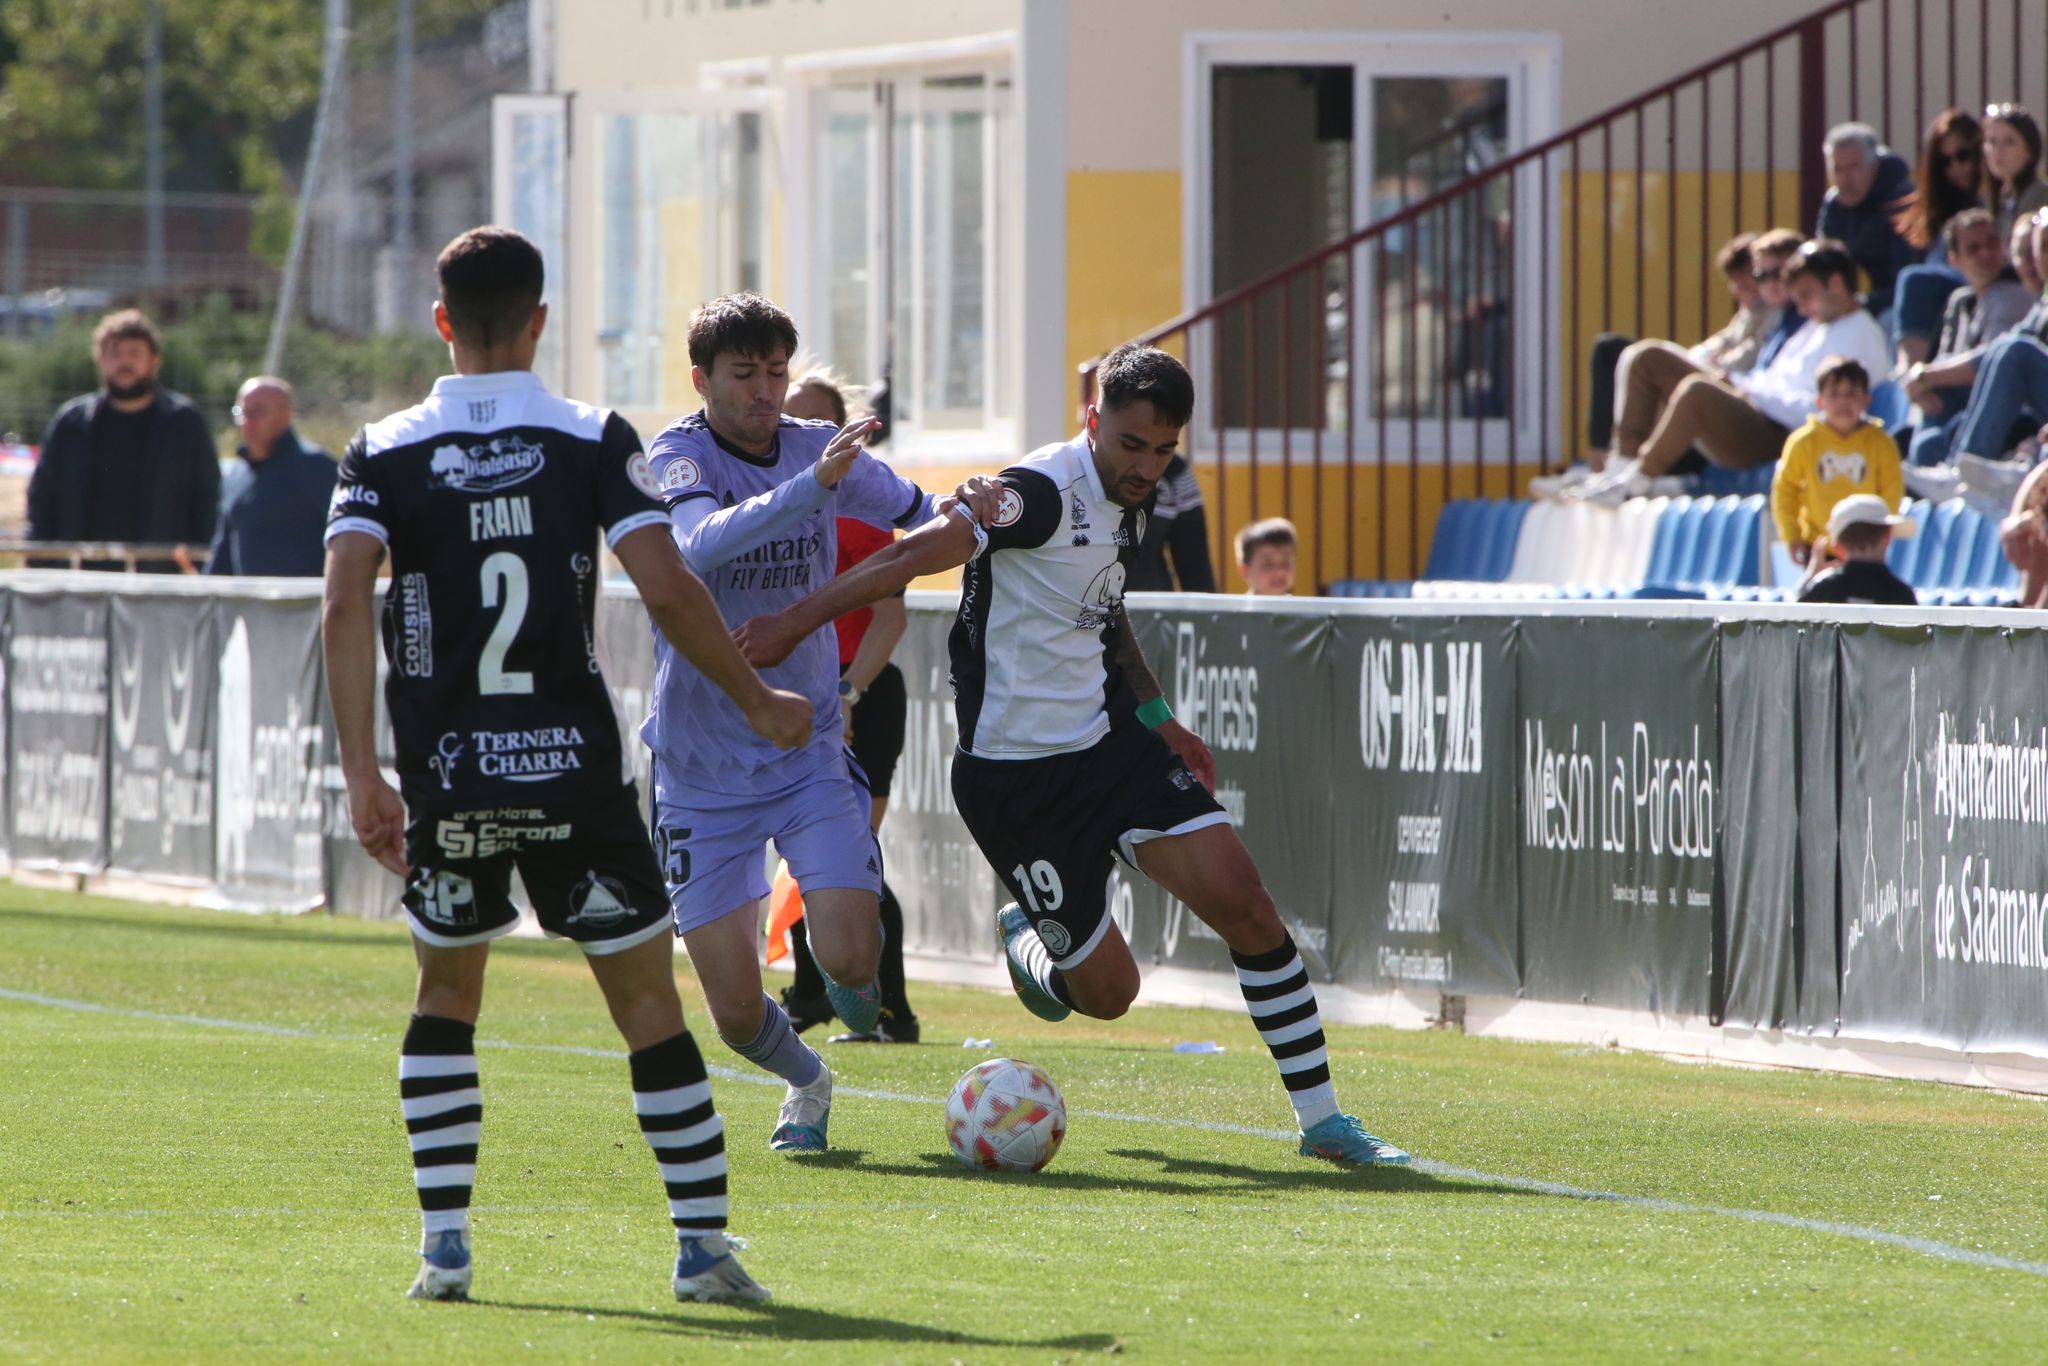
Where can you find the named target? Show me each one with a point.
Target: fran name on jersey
(497, 519)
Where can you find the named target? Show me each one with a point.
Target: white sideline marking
(1925, 1246)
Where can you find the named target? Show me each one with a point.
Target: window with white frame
(907, 242)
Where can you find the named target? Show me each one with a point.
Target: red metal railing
(1445, 342)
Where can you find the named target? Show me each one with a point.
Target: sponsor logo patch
(598, 901)
(443, 760)
(486, 467)
(444, 898)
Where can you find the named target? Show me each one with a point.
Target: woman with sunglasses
(2013, 188)
(1945, 184)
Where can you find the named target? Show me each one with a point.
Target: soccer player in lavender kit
(752, 500)
(1068, 752)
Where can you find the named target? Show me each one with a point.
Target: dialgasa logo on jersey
(486, 467)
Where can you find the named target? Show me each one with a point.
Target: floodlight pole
(402, 155)
(330, 77)
(153, 262)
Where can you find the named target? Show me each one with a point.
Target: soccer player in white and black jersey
(1069, 755)
(489, 497)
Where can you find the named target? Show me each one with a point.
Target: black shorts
(878, 720)
(1053, 826)
(587, 868)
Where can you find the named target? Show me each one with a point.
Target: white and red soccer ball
(1005, 1115)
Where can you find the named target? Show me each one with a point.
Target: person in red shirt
(873, 702)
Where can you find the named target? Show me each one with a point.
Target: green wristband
(1155, 713)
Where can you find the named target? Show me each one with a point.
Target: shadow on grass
(1207, 1177)
(798, 1323)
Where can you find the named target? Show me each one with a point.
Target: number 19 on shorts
(1040, 886)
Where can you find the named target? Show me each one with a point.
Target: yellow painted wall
(1123, 258)
(1659, 238)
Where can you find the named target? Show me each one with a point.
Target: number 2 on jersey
(503, 572)
(1044, 880)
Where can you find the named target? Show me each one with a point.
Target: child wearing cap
(1838, 452)
(1861, 529)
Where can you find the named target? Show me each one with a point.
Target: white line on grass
(1925, 1246)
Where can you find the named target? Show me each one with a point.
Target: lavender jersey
(759, 530)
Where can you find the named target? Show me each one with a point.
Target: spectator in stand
(1838, 453)
(2013, 188)
(133, 463)
(1266, 553)
(874, 707)
(1860, 531)
(1176, 524)
(273, 504)
(1992, 303)
(1759, 308)
(2008, 399)
(2025, 263)
(1946, 183)
(1672, 404)
(2024, 535)
(1861, 210)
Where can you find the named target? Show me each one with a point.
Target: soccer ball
(1005, 1115)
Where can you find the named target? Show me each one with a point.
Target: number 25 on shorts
(675, 854)
(1040, 886)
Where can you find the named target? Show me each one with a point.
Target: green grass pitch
(177, 1191)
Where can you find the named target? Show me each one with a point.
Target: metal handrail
(1561, 206)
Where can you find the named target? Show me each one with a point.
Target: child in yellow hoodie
(1837, 453)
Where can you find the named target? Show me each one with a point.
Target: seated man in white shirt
(1673, 403)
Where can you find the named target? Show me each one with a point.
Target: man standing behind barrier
(133, 463)
(489, 497)
(1069, 754)
(273, 504)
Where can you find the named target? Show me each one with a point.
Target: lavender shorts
(713, 848)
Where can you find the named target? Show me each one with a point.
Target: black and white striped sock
(672, 1097)
(1282, 1003)
(444, 1111)
(1032, 956)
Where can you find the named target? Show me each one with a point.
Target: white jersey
(1041, 612)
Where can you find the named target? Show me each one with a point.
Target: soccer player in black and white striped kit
(1069, 755)
(488, 498)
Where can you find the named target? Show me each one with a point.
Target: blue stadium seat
(1889, 405)
(1475, 540)
(1956, 552)
(1715, 482)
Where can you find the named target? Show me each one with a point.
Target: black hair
(741, 324)
(1824, 259)
(1133, 372)
(491, 281)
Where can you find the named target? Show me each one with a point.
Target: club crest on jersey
(1079, 512)
(486, 467)
(642, 475)
(681, 474)
(443, 760)
(1009, 508)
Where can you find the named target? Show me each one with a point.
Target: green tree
(240, 81)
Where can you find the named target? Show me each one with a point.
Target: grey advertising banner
(625, 646)
(1760, 749)
(1421, 801)
(1616, 773)
(948, 891)
(356, 884)
(269, 772)
(1252, 685)
(160, 770)
(1816, 945)
(1943, 862)
(57, 731)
